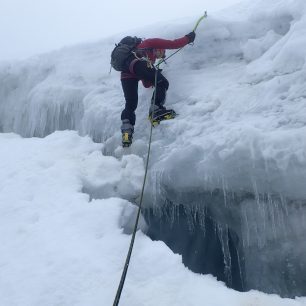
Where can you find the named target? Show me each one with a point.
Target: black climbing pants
(130, 89)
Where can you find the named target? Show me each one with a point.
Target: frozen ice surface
(59, 247)
(236, 148)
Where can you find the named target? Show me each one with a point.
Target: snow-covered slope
(239, 92)
(58, 248)
(240, 135)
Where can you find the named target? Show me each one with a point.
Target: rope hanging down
(127, 261)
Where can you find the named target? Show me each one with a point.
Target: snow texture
(59, 248)
(241, 99)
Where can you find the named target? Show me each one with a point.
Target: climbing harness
(144, 58)
(127, 261)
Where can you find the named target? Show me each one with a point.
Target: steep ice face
(237, 148)
(241, 155)
(56, 92)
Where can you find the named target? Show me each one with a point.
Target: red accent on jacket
(158, 43)
(149, 47)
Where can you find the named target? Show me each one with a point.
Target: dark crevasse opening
(250, 241)
(205, 247)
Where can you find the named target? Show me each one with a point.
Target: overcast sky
(29, 27)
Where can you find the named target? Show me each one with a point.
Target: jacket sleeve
(158, 43)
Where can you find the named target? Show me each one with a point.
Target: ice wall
(59, 91)
(238, 145)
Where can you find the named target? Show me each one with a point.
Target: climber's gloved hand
(191, 36)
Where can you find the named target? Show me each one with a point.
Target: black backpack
(122, 51)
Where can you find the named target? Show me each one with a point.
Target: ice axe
(194, 29)
(199, 21)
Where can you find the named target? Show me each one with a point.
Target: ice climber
(138, 65)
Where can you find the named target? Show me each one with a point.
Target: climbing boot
(160, 113)
(127, 131)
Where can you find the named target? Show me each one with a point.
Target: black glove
(191, 36)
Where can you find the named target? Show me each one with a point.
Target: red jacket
(150, 48)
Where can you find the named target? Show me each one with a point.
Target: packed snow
(58, 247)
(66, 201)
